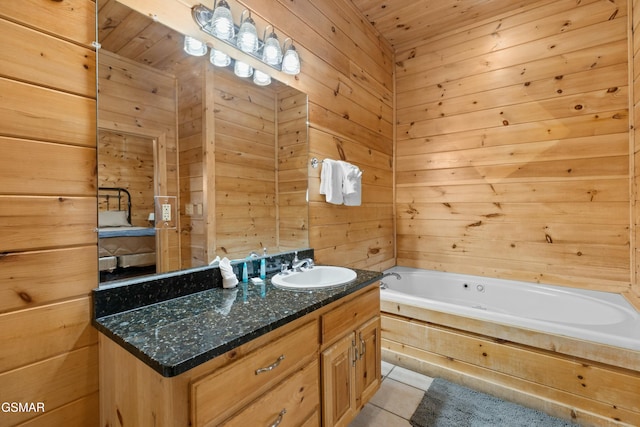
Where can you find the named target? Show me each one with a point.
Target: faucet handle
(295, 257)
(284, 268)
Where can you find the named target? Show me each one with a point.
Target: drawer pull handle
(278, 420)
(270, 367)
(363, 346)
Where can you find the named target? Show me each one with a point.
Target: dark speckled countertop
(181, 333)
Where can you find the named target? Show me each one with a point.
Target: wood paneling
(502, 166)
(48, 211)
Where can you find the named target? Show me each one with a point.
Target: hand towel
(331, 178)
(351, 184)
(229, 279)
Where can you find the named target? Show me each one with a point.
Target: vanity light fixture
(219, 23)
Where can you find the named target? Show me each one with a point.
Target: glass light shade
(222, 21)
(194, 46)
(248, 36)
(219, 59)
(242, 69)
(260, 78)
(291, 61)
(271, 52)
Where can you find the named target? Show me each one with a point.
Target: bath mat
(446, 404)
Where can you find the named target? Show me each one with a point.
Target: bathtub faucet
(384, 285)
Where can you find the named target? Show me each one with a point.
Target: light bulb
(248, 36)
(291, 61)
(271, 52)
(242, 69)
(222, 21)
(260, 78)
(194, 46)
(219, 59)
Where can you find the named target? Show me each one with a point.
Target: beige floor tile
(411, 378)
(386, 368)
(372, 416)
(398, 398)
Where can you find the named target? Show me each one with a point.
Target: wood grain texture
(500, 170)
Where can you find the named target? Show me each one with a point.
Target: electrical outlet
(188, 209)
(166, 212)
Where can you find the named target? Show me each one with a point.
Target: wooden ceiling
(405, 22)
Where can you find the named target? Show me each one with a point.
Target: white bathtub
(600, 317)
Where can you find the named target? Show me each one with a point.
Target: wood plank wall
(634, 61)
(245, 165)
(126, 161)
(513, 147)
(48, 213)
(292, 179)
(137, 98)
(193, 235)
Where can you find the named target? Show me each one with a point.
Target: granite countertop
(179, 334)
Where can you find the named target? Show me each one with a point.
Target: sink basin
(319, 277)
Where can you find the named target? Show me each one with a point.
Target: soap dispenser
(263, 268)
(245, 273)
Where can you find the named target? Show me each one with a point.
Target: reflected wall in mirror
(233, 153)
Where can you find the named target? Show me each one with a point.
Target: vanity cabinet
(351, 359)
(216, 396)
(282, 377)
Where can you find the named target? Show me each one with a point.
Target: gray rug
(446, 404)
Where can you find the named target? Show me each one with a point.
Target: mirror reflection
(233, 154)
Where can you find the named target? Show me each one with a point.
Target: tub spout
(384, 285)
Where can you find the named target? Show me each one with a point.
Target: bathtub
(572, 353)
(600, 317)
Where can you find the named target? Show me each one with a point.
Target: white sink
(318, 277)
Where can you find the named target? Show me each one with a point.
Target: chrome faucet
(297, 265)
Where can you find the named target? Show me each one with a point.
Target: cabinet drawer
(219, 394)
(350, 315)
(291, 402)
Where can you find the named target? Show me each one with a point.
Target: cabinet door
(368, 368)
(338, 382)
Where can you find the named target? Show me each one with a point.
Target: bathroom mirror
(193, 161)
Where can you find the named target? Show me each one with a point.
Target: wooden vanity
(319, 368)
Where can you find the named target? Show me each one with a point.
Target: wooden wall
(193, 235)
(245, 165)
(634, 68)
(292, 180)
(48, 244)
(126, 161)
(513, 147)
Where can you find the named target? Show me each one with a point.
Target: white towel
(331, 178)
(351, 184)
(229, 279)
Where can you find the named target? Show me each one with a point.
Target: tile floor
(399, 395)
